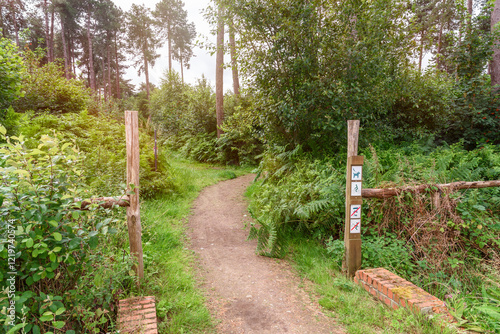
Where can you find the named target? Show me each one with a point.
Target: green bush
(47, 89)
(11, 74)
(102, 139)
(385, 251)
(50, 248)
(423, 105)
(186, 116)
(239, 144)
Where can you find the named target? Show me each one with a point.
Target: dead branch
(106, 202)
(390, 192)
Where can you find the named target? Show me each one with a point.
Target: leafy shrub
(103, 141)
(50, 244)
(239, 144)
(186, 116)
(479, 313)
(11, 73)
(431, 92)
(385, 251)
(200, 147)
(181, 109)
(296, 194)
(46, 88)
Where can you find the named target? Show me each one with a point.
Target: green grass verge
(355, 309)
(169, 272)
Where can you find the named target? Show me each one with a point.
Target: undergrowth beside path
(340, 297)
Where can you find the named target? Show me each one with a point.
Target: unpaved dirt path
(247, 293)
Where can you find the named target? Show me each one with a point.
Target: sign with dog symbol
(356, 173)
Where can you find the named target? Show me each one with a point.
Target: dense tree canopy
(314, 64)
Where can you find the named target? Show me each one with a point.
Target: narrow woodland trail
(247, 293)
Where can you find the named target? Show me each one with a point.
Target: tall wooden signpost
(133, 212)
(354, 201)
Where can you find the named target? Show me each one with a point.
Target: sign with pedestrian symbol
(355, 226)
(355, 211)
(355, 189)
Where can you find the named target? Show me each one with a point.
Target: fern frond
(311, 209)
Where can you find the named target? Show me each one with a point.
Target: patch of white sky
(201, 64)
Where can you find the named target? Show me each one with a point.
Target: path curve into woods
(246, 292)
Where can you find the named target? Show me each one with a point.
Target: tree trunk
(52, 14)
(65, 49)
(438, 55)
(169, 32)
(495, 62)
(234, 64)
(2, 29)
(117, 70)
(90, 54)
(15, 21)
(219, 74)
(47, 31)
(73, 63)
(421, 54)
(109, 69)
(182, 70)
(103, 81)
(146, 72)
(469, 16)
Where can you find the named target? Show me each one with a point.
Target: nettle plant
(53, 239)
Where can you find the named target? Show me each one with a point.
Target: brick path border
(397, 292)
(137, 315)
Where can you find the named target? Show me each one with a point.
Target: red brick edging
(397, 292)
(137, 315)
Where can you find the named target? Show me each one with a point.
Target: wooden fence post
(352, 231)
(133, 212)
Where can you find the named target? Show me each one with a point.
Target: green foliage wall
(47, 89)
(314, 64)
(319, 63)
(68, 270)
(102, 139)
(186, 116)
(11, 74)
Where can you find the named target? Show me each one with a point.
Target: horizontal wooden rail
(390, 192)
(107, 202)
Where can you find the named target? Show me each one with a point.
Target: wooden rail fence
(130, 201)
(355, 195)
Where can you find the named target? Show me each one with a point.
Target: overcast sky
(201, 64)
